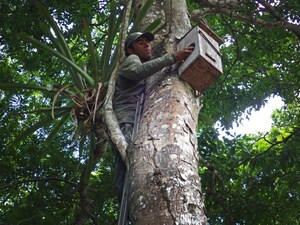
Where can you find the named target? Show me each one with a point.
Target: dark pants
(126, 129)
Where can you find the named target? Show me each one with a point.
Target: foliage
(45, 151)
(251, 179)
(48, 98)
(44, 100)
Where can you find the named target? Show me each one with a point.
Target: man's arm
(134, 69)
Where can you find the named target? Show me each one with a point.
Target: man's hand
(183, 53)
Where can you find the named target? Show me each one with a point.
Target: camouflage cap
(133, 36)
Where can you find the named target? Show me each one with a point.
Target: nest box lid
(205, 27)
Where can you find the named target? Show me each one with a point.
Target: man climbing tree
(163, 165)
(131, 85)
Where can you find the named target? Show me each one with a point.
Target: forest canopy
(56, 61)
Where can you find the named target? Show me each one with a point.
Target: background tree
(52, 175)
(251, 179)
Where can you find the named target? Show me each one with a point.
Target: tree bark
(165, 187)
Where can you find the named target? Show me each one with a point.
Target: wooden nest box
(204, 66)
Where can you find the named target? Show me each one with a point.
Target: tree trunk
(165, 186)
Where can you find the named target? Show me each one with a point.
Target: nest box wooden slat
(204, 66)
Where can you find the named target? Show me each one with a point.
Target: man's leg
(126, 129)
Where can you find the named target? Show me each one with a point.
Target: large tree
(57, 168)
(163, 159)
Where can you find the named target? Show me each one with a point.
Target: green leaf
(42, 123)
(46, 29)
(61, 42)
(64, 59)
(151, 27)
(92, 50)
(15, 86)
(141, 15)
(108, 46)
(57, 126)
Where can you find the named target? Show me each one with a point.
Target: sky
(259, 121)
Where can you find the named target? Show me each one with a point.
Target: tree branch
(116, 134)
(221, 3)
(25, 220)
(272, 145)
(228, 8)
(272, 10)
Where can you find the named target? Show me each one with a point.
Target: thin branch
(272, 10)
(228, 8)
(221, 3)
(272, 145)
(26, 220)
(110, 117)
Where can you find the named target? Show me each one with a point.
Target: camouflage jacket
(131, 83)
